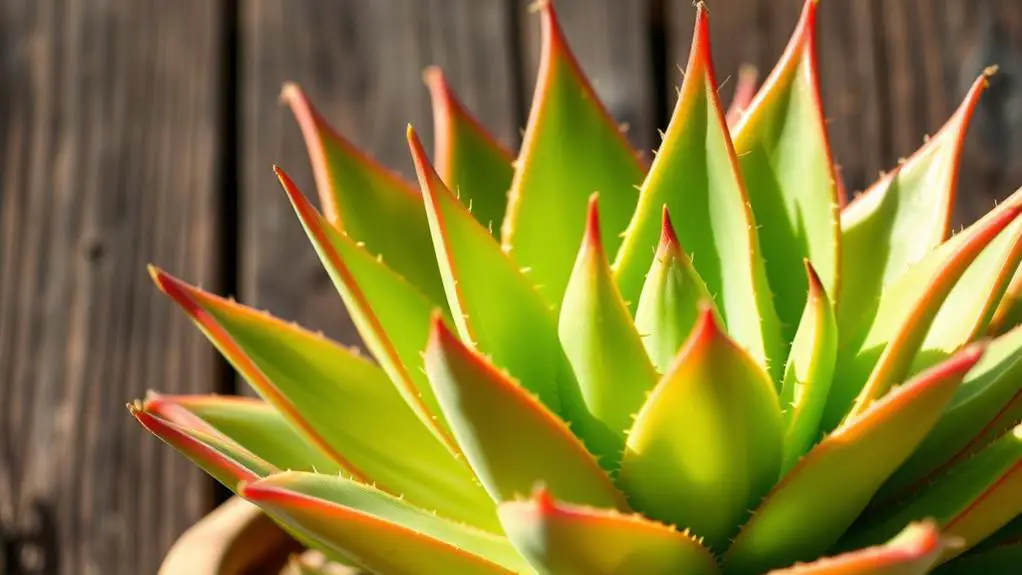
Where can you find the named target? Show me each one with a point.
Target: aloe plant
(711, 364)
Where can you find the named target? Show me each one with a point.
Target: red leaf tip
(706, 328)
(668, 238)
(543, 500)
(593, 242)
(440, 336)
(815, 285)
(177, 290)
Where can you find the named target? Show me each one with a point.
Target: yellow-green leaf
(495, 309)
(987, 393)
(564, 539)
(696, 174)
(782, 147)
(809, 372)
(706, 445)
(339, 402)
(224, 460)
(671, 299)
(469, 161)
(971, 501)
(511, 440)
(868, 366)
(914, 551)
(901, 218)
(378, 531)
(391, 315)
(600, 340)
(571, 148)
(251, 423)
(366, 200)
(816, 502)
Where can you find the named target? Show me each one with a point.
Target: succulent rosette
(583, 364)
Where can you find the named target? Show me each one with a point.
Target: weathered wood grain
(108, 138)
(361, 64)
(612, 41)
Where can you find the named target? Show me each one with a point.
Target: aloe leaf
(467, 158)
(571, 148)
(367, 202)
(696, 173)
(224, 460)
(251, 423)
(495, 309)
(868, 366)
(380, 532)
(914, 551)
(1009, 311)
(600, 339)
(999, 553)
(971, 501)
(511, 440)
(809, 372)
(816, 502)
(902, 217)
(745, 91)
(785, 158)
(339, 402)
(391, 315)
(671, 299)
(707, 444)
(569, 539)
(988, 391)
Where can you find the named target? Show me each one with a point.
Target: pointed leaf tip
(571, 144)
(569, 539)
(697, 173)
(468, 159)
(916, 550)
(510, 439)
(668, 238)
(592, 234)
(687, 475)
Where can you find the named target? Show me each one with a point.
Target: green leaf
(600, 340)
(782, 147)
(907, 310)
(966, 313)
(999, 553)
(251, 423)
(495, 309)
(813, 505)
(391, 315)
(1009, 310)
(564, 539)
(671, 299)
(469, 161)
(696, 173)
(571, 148)
(339, 402)
(971, 501)
(365, 200)
(707, 444)
(224, 460)
(901, 218)
(511, 440)
(809, 372)
(914, 551)
(378, 531)
(987, 392)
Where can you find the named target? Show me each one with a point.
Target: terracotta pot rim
(234, 538)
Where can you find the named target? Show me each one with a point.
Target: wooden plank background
(144, 130)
